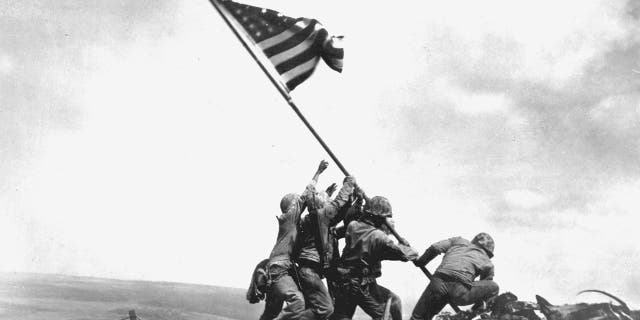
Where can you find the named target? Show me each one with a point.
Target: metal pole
(285, 94)
(426, 272)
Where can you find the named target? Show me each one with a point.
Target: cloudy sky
(138, 139)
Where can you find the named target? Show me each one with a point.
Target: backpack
(259, 283)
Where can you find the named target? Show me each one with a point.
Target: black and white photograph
(319, 160)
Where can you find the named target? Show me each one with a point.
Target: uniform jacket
(288, 227)
(464, 260)
(316, 236)
(366, 246)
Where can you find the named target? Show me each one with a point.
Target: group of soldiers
(306, 251)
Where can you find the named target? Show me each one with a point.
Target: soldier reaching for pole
(280, 270)
(367, 244)
(453, 281)
(316, 245)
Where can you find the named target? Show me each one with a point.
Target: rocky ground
(507, 307)
(39, 297)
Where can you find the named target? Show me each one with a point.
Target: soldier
(453, 281)
(280, 268)
(367, 244)
(317, 245)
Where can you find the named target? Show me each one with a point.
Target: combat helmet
(378, 207)
(288, 200)
(485, 241)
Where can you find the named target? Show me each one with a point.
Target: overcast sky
(139, 140)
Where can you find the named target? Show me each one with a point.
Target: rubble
(506, 306)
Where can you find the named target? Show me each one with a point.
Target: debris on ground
(506, 306)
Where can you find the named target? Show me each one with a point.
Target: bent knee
(295, 303)
(324, 313)
(493, 287)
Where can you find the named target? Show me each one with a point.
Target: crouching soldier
(316, 252)
(453, 282)
(280, 270)
(367, 244)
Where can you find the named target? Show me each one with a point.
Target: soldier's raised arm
(321, 167)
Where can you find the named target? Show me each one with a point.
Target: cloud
(471, 103)
(524, 199)
(485, 118)
(6, 64)
(618, 113)
(48, 57)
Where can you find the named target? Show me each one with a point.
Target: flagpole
(285, 94)
(281, 88)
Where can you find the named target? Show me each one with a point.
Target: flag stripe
(284, 35)
(295, 61)
(291, 84)
(292, 41)
(305, 46)
(290, 47)
(300, 69)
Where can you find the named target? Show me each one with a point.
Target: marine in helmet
(367, 244)
(280, 270)
(453, 282)
(317, 245)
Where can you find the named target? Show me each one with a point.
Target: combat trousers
(283, 289)
(369, 296)
(315, 293)
(443, 290)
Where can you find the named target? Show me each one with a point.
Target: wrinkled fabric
(370, 297)
(292, 207)
(315, 293)
(464, 260)
(287, 232)
(441, 291)
(258, 284)
(283, 290)
(315, 235)
(366, 246)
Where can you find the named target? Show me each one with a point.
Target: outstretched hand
(323, 165)
(331, 189)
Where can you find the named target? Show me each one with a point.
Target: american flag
(294, 46)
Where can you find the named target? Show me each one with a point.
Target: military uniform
(453, 281)
(366, 246)
(317, 248)
(282, 287)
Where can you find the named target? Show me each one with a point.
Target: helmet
(288, 200)
(378, 206)
(485, 241)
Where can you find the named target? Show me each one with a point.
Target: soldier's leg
(272, 307)
(315, 293)
(345, 302)
(432, 300)
(383, 295)
(371, 302)
(478, 291)
(285, 289)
